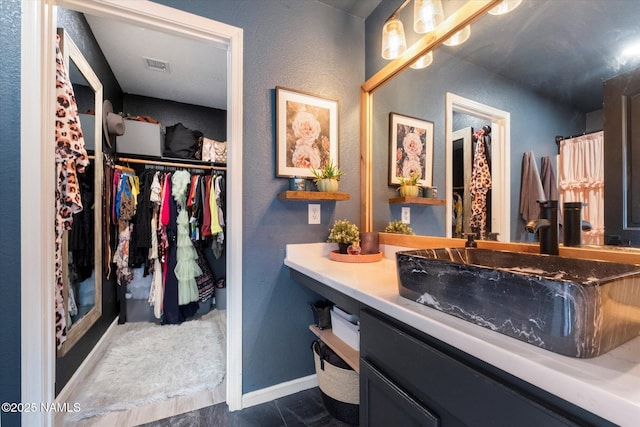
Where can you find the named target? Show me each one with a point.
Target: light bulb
(393, 41)
(459, 37)
(505, 6)
(427, 14)
(423, 62)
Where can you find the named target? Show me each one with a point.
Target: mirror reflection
(548, 78)
(82, 243)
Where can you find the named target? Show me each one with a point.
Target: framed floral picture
(410, 148)
(306, 132)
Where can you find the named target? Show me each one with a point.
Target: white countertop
(608, 385)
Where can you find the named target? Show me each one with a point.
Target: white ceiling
(197, 70)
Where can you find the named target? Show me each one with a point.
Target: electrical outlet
(406, 215)
(314, 214)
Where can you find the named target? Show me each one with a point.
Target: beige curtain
(581, 179)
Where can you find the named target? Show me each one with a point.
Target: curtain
(581, 179)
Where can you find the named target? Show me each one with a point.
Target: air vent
(156, 64)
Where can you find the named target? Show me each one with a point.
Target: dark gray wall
(210, 121)
(300, 44)
(303, 45)
(535, 121)
(10, 207)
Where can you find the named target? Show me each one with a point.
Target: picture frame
(410, 148)
(306, 132)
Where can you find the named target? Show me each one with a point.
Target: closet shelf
(312, 195)
(342, 349)
(417, 201)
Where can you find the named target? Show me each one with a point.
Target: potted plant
(327, 177)
(344, 233)
(409, 185)
(398, 227)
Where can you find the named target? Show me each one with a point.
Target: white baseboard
(87, 364)
(279, 390)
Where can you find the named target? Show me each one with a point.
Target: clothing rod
(174, 164)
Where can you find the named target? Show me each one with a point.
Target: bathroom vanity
(420, 366)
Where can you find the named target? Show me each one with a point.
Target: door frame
(500, 161)
(37, 160)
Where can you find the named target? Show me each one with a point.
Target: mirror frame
(70, 52)
(468, 13)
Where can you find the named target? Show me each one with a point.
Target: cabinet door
(383, 403)
(457, 392)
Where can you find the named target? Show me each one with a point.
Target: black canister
(572, 223)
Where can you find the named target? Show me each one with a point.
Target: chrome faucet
(546, 226)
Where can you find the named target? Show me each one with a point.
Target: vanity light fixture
(423, 62)
(427, 15)
(460, 37)
(505, 6)
(393, 42)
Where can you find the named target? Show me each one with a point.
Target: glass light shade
(459, 37)
(505, 6)
(393, 42)
(423, 62)
(427, 14)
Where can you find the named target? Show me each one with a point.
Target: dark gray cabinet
(409, 378)
(385, 404)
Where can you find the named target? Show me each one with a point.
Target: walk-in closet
(141, 228)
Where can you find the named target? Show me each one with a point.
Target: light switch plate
(314, 213)
(406, 215)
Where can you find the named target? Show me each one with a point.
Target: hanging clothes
(71, 159)
(480, 185)
(530, 188)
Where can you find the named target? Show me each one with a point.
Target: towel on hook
(549, 183)
(530, 188)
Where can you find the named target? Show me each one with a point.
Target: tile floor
(301, 409)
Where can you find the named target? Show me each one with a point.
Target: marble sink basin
(578, 308)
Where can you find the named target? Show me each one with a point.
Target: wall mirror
(82, 245)
(548, 77)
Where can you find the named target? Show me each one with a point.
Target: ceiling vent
(156, 64)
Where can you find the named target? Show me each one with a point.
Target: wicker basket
(339, 384)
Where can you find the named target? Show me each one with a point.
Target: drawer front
(385, 404)
(444, 384)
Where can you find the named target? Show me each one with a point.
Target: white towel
(530, 188)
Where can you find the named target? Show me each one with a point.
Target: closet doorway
(38, 45)
(500, 123)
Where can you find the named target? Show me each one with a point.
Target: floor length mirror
(82, 245)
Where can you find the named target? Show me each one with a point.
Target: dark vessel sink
(575, 307)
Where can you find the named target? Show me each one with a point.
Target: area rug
(150, 363)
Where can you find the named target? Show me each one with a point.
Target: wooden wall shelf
(312, 195)
(418, 201)
(345, 351)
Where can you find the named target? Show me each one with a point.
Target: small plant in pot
(327, 177)
(409, 185)
(398, 227)
(344, 233)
